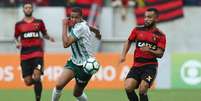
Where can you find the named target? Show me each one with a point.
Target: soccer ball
(91, 66)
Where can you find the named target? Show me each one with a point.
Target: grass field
(103, 95)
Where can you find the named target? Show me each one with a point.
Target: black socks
(132, 96)
(143, 97)
(38, 90)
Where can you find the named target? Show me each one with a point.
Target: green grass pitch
(103, 95)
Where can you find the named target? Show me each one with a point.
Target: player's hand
(52, 39)
(145, 49)
(65, 22)
(98, 36)
(122, 59)
(18, 45)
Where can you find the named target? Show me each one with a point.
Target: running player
(29, 34)
(79, 39)
(150, 45)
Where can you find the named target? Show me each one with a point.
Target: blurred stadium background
(179, 72)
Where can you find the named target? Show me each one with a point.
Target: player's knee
(77, 93)
(37, 78)
(59, 86)
(28, 82)
(128, 87)
(143, 89)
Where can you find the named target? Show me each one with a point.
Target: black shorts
(81, 77)
(146, 73)
(29, 65)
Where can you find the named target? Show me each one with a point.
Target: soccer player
(79, 39)
(29, 34)
(150, 45)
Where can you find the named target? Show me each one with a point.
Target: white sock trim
(83, 97)
(56, 94)
(57, 91)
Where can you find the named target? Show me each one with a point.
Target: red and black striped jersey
(153, 38)
(30, 34)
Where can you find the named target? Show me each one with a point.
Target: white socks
(56, 94)
(83, 97)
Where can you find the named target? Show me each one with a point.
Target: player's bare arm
(46, 36)
(126, 48)
(16, 38)
(17, 42)
(67, 40)
(158, 52)
(96, 31)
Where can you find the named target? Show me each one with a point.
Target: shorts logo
(80, 81)
(39, 67)
(149, 78)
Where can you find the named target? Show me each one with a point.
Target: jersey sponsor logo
(143, 44)
(31, 35)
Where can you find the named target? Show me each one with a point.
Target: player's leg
(28, 80)
(79, 92)
(148, 76)
(38, 71)
(82, 80)
(131, 83)
(143, 88)
(37, 84)
(27, 72)
(66, 76)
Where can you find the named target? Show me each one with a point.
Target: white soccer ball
(91, 66)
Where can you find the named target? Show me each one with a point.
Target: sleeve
(43, 28)
(133, 34)
(78, 31)
(17, 32)
(162, 42)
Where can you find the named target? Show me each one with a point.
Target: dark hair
(153, 10)
(77, 9)
(27, 2)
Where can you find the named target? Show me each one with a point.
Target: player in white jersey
(79, 39)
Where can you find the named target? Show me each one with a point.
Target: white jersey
(81, 49)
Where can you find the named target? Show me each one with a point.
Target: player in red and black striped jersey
(29, 34)
(150, 45)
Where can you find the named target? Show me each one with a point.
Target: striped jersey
(30, 34)
(81, 49)
(151, 37)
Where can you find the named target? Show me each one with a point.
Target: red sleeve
(132, 36)
(43, 29)
(162, 42)
(17, 32)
